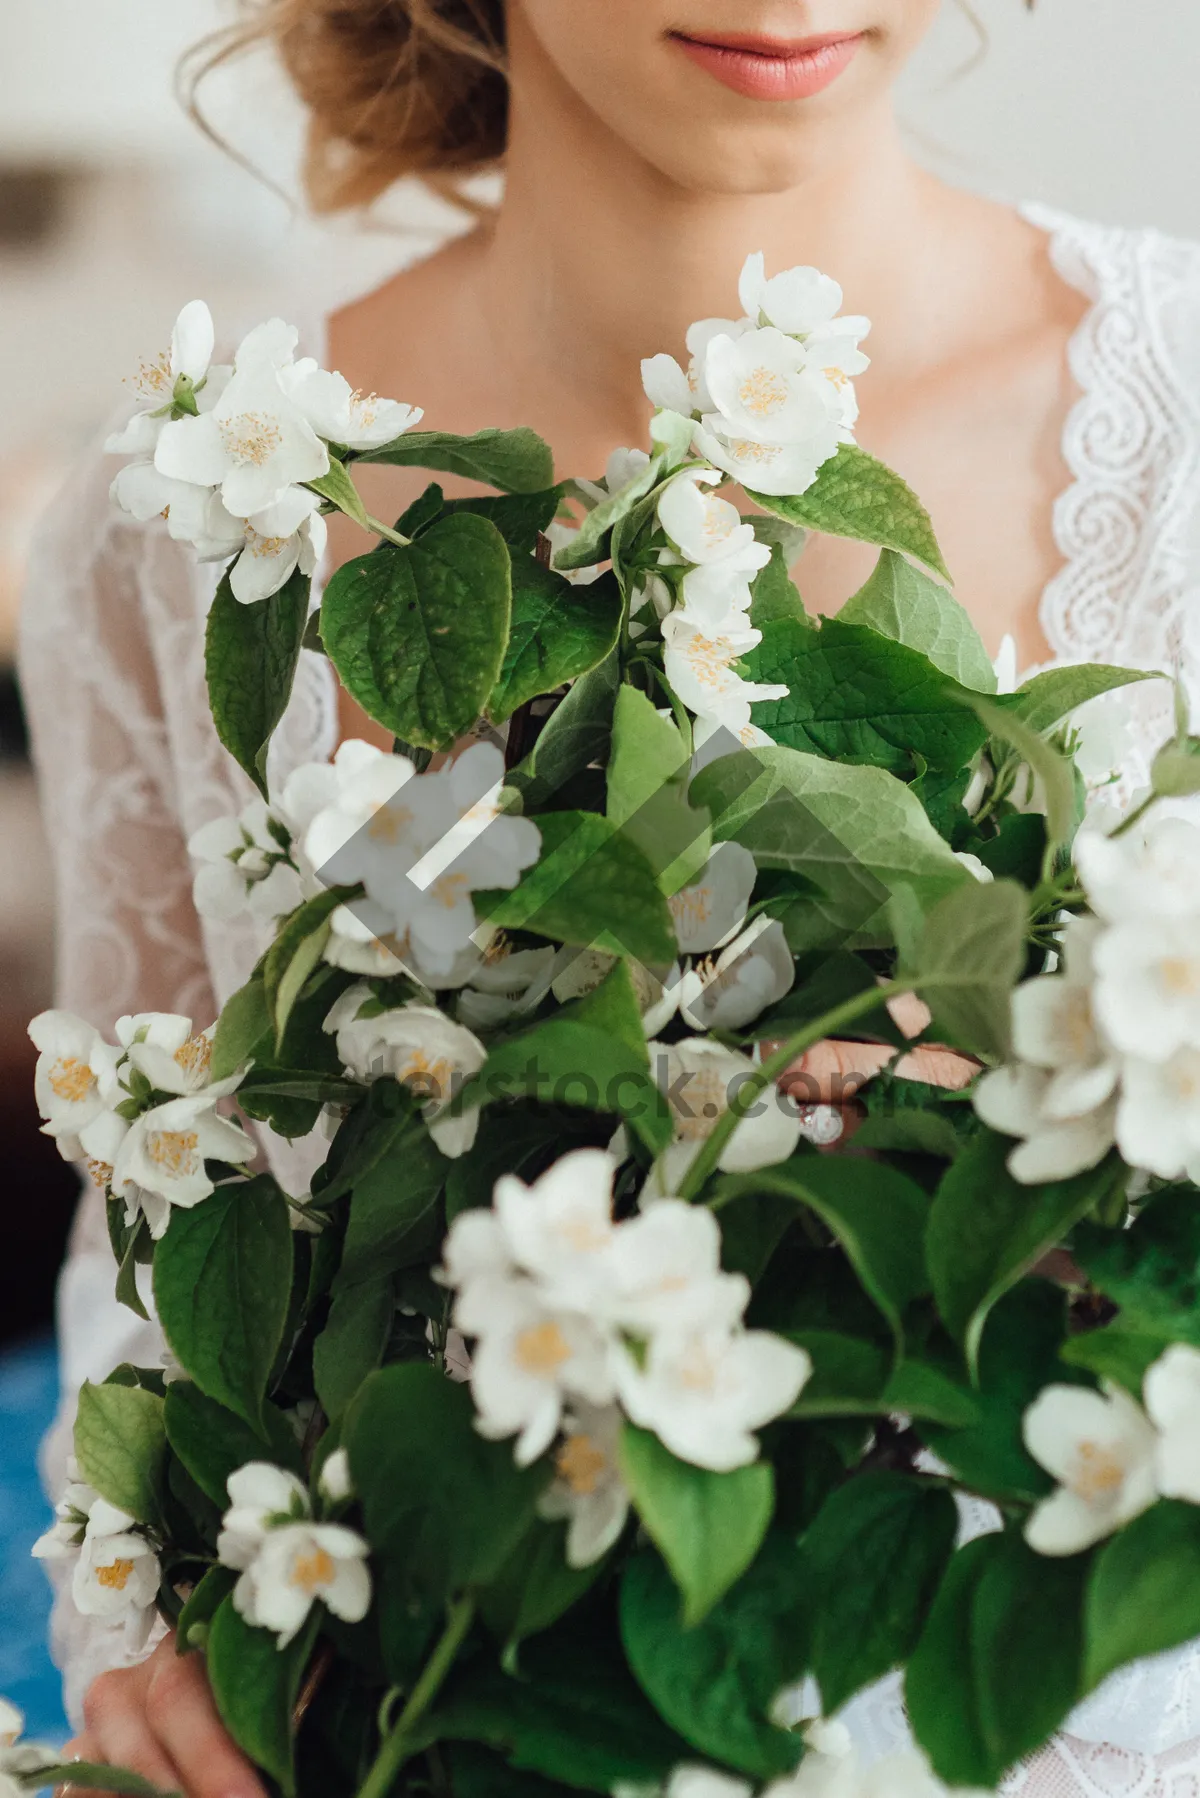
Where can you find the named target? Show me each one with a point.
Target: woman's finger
(180, 1710)
(118, 1731)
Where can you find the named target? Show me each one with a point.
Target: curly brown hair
(392, 87)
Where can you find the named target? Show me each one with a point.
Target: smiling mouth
(763, 68)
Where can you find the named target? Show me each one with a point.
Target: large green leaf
(858, 834)
(591, 545)
(290, 960)
(390, 1200)
(708, 1526)
(1048, 698)
(443, 1507)
(1151, 1270)
(536, 1586)
(418, 635)
(986, 1230)
(213, 1442)
(121, 1446)
(354, 1339)
(876, 1555)
(255, 1684)
(856, 696)
(971, 954)
(1143, 1596)
(515, 461)
(647, 791)
(250, 656)
(563, 1062)
(716, 1683)
(593, 886)
(856, 496)
(877, 1214)
(576, 734)
(520, 518)
(558, 632)
(222, 1282)
(999, 1664)
(901, 602)
(854, 1377)
(775, 593)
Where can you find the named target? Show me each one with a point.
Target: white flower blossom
(244, 866)
(335, 1484)
(507, 983)
(699, 1078)
(117, 1573)
(710, 910)
(1158, 1114)
(344, 415)
(623, 468)
(157, 378)
(163, 1152)
(588, 1491)
(284, 537)
(418, 1046)
(763, 390)
(1143, 877)
(261, 1496)
(75, 1077)
(299, 1565)
(704, 528)
(560, 536)
(755, 970)
(797, 301)
(705, 1392)
(1172, 1394)
(703, 674)
(1100, 1447)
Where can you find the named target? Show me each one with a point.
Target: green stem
(385, 530)
(768, 1072)
(398, 1745)
(1136, 815)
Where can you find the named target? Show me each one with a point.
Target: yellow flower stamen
(71, 1079)
(580, 1463)
(114, 1577)
(542, 1349)
(313, 1570)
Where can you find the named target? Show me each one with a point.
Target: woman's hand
(160, 1720)
(832, 1072)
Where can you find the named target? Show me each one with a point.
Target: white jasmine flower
(776, 468)
(255, 443)
(62, 1540)
(706, 529)
(560, 536)
(977, 869)
(664, 1273)
(1100, 1446)
(665, 383)
(75, 1077)
(261, 1496)
(507, 983)
(1054, 1146)
(345, 415)
(173, 1058)
(1172, 1394)
(703, 675)
(299, 1565)
(699, 1079)
(710, 911)
(244, 866)
(797, 301)
(418, 1046)
(291, 534)
(842, 1774)
(1151, 876)
(588, 1490)
(188, 358)
(1148, 985)
(560, 1229)
(117, 1575)
(192, 514)
(335, 1483)
(705, 1392)
(762, 390)
(529, 1362)
(165, 1149)
(704, 1782)
(712, 734)
(622, 469)
(1005, 665)
(755, 970)
(1158, 1114)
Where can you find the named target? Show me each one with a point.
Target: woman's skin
(637, 183)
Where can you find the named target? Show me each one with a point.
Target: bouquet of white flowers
(584, 1409)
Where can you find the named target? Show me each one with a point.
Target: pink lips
(772, 68)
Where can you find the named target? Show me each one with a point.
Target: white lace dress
(112, 668)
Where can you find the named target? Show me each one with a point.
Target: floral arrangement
(586, 1424)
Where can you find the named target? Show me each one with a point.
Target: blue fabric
(28, 1394)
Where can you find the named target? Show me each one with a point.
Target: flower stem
(385, 530)
(1136, 815)
(399, 1744)
(768, 1072)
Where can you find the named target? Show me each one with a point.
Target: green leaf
(857, 833)
(1048, 698)
(1143, 1596)
(1116, 1354)
(1052, 767)
(1151, 1270)
(590, 546)
(354, 1339)
(971, 955)
(708, 1526)
(418, 635)
(986, 1230)
(911, 1133)
(716, 1683)
(856, 496)
(1175, 773)
(222, 1280)
(205, 1600)
(613, 1008)
(877, 1214)
(575, 735)
(515, 461)
(562, 1062)
(574, 1715)
(900, 602)
(475, 1772)
(250, 655)
(90, 1776)
(775, 594)
(520, 518)
(507, 1143)
(876, 1555)
(443, 1507)
(536, 1586)
(295, 952)
(390, 1200)
(848, 1377)
(338, 488)
(255, 1684)
(244, 1021)
(558, 632)
(593, 886)
(213, 1442)
(121, 1446)
(647, 792)
(998, 1666)
(856, 696)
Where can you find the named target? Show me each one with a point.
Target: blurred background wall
(114, 211)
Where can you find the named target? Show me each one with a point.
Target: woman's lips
(772, 69)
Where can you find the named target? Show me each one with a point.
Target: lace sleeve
(127, 935)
